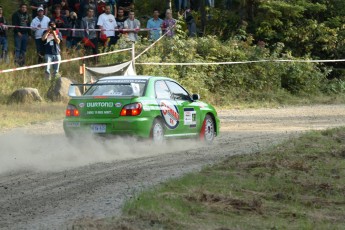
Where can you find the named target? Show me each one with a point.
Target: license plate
(73, 124)
(98, 128)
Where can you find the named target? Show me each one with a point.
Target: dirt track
(47, 182)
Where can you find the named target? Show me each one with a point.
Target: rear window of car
(108, 88)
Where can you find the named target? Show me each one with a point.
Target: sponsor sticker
(170, 114)
(189, 117)
(99, 104)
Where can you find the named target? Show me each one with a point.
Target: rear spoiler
(76, 90)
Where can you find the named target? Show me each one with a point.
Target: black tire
(207, 131)
(157, 132)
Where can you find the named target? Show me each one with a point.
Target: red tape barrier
(71, 29)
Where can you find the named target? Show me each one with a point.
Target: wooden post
(84, 78)
(84, 74)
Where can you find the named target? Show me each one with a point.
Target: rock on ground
(25, 95)
(58, 91)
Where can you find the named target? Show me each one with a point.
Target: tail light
(72, 111)
(132, 109)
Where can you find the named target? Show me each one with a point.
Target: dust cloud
(21, 151)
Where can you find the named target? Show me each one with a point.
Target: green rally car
(143, 106)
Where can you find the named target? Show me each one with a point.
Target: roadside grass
(16, 115)
(299, 184)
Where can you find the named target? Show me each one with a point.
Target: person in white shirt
(40, 21)
(107, 24)
(132, 23)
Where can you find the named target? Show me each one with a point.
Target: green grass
(297, 185)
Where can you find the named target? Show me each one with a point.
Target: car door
(189, 111)
(168, 107)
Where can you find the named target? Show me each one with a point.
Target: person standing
(51, 39)
(3, 37)
(120, 20)
(74, 36)
(133, 24)
(89, 24)
(155, 25)
(107, 24)
(169, 24)
(41, 22)
(21, 35)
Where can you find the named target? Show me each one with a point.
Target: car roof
(140, 77)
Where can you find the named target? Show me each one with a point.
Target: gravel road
(47, 182)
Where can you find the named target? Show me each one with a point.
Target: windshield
(114, 89)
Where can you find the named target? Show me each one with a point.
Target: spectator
(107, 24)
(90, 40)
(53, 4)
(101, 7)
(74, 5)
(155, 25)
(134, 24)
(74, 36)
(169, 24)
(40, 21)
(3, 37)
(60, 21)
(126, 5)
(190, 23)
(65, 10)
(120, 20)
(34, 4)
(21, 35)
(51, 39)
(103, 3)
(85, 5)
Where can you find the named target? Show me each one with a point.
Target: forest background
(233, 30)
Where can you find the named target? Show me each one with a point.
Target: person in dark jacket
(21, 35)
(3, 38)
(74, 36)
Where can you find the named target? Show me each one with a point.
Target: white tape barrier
(236, 62)
(62, 61)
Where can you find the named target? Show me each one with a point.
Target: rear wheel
(157, 131)
(207, 132)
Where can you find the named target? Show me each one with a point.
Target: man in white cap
(40, 24)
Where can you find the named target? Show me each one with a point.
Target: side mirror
(73, 91)
(136, 89)
(195, 97)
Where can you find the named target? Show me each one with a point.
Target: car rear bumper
(123, 126)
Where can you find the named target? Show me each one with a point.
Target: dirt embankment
(46, 181)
